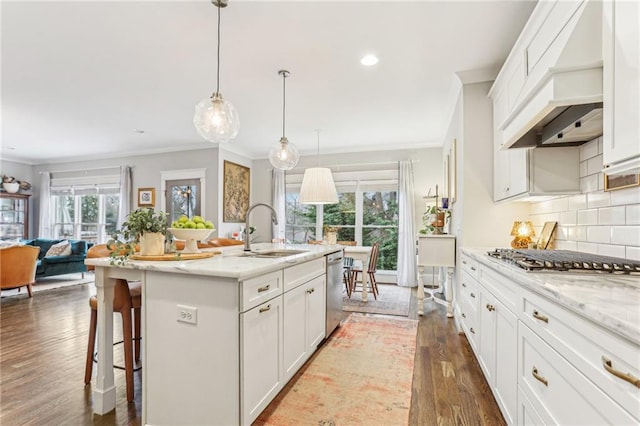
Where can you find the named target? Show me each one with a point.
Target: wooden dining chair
(371, 271)
(347, 268)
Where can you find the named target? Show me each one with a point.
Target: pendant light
(215, 118)
(284, 155)
(317, 184)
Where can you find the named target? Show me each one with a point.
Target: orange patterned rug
(361, 376)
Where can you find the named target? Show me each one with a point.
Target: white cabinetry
(304, 325)
(261, 364)
(621, 55)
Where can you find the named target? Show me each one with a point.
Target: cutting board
(175, 256)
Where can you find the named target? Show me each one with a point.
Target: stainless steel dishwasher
(334, 291)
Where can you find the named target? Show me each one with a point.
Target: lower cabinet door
(316, 312)
(295, 330)
(261, 367)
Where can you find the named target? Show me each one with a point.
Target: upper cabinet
(621, 55)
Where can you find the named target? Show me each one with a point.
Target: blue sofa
(58, 265)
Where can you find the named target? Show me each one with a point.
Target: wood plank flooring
(42, 353)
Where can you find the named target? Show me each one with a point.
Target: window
(301, 220)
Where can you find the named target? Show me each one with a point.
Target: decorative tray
(175, 256)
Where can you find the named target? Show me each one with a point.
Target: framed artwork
(453, 169)
(611, 183)
(445, 189)
(146, 197)
(235, 196)
(546, 235)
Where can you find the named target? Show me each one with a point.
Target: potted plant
(144, 227)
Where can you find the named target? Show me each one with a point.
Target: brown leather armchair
(18, 267)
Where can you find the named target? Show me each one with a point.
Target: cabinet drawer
(501, 286)
(300, 274)
(587, 346)
(469, 290)
(558, 390)
(470, 265)
(258, 290)
(469, 320)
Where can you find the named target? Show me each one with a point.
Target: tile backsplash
(594, 221)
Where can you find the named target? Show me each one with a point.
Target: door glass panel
(301, 219)
(183, 198)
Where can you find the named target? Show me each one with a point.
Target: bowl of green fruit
(191, 231)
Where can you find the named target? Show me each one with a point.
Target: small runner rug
(392, 300)
(361, 376)
(50, 283)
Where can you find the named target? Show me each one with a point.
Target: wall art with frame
(235, 196)
(146, 197)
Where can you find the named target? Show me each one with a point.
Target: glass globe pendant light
(284, 155)
(216, 119)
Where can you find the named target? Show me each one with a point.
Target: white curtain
(278, 202)
(44, 219)
(407, 269)
(125, 195)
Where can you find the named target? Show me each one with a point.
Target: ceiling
(99, 79)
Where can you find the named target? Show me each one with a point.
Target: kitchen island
(217, 346)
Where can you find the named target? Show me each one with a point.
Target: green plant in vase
(143, 227)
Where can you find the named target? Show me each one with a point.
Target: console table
(438, 251)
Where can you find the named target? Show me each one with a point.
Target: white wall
(595, 221)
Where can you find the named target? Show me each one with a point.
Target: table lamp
(522, 231)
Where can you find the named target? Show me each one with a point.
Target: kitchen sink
(273, 253)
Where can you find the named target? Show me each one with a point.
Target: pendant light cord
(284, 100)
(218, 68)
(318, 131)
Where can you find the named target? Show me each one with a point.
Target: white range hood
(561, 105)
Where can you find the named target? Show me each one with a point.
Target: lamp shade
(318, 187)
(216, 119)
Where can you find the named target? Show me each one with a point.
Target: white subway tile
(598, 199)
(625, 235)
(583, 169)
(612, 216)
(562, 232)
(588, 248)
(580, 233)
(560, 204)
(594, 165)
(548, 217)
(600, 181)
(625, 196)
(633, 253)
(589, 150)
(589, 184)
(633, 215)
(600, 145)
(599, 234)
(567, 245)
(577, 202)
(609, 250)
(544, 207)
(588, 217)
(569, 217)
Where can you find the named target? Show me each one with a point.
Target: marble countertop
(609, 300)
(230, 263)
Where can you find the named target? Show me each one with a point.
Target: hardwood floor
(42, 353)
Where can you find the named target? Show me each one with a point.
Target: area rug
(50, 283)
(361, 376)
(392, 300)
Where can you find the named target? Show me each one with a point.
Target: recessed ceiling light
(139, 131)
(369, 60)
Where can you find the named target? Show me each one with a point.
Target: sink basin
(273, 253)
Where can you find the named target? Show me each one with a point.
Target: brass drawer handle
(266, 308)
(463, 315)
(311, 290)
(473, 295)
(542, 318)
(472, 330)
(607, 364)
(473, 268)
(490, 307)
(538, 377)
(464, 285)
(265, 288)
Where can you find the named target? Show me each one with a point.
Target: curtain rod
(86, 170)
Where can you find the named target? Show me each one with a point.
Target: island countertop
(610, 300)
(230, 262)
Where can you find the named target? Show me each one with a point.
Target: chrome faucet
(274, 220)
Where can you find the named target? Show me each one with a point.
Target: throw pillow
(63, 248)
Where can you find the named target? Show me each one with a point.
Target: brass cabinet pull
(464, 285)
(538, 377)
(265, 288)
(473, 295)
(464, 262)
(607, 364)
(490, 307)
(542, 318)
(266, 308)
(463, 315)
(473, 268)
(311, 290)
(472, 330)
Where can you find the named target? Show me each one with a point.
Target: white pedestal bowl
(191, 237)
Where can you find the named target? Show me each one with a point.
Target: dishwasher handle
(334, 258)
